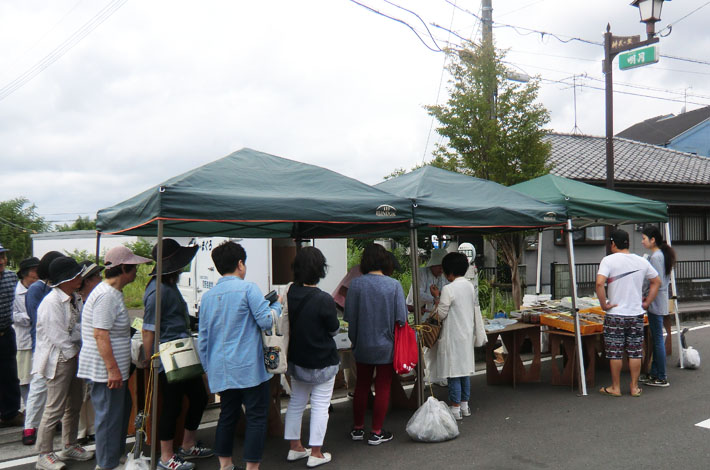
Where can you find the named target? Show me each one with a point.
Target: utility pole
(487, 19)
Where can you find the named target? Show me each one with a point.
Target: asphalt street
(535, 426)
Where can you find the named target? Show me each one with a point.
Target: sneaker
(357, 434)
(646, 378)
(657, 383)
(75, 452)
(29, 436)
(49, 462)
(16, 421)
(465, 410)
(456, 411)
(197, 451)
(377, 439)
(176, 463)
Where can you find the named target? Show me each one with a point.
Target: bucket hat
(175, 257)
(436, 256)
(64, 269)
(3, 249)
(90, 269)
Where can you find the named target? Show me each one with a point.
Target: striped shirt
(8, 280)
(106, 310)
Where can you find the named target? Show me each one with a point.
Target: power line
(438, 49)
(669, 26)
(420, 19)
(62, 49)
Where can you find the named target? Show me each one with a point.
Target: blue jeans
(459, 389)
(658, 366)
(112, 408)
(256, 403)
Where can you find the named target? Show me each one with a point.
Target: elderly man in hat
(174, 324)
(9, 384)
(431, 280)
(38, 384)
(23, 325)
(57, 359)
(105, 357)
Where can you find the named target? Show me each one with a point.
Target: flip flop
(606, 392)
(637, 394)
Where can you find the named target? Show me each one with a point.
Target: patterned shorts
(623, 333)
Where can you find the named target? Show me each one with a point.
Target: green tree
(19, 219)
(494, 130)
(81, 223)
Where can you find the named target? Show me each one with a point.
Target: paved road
(536, 426)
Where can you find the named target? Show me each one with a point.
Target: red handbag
(406, 351)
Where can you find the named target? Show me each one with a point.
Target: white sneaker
(456, 411)
(49, 462)
(465, 410)
(75, 452)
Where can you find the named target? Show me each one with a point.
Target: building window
(586, 236)
(689, 226)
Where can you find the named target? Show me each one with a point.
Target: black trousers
(172, 395)
(9, 383)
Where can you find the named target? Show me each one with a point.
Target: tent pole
(154, 444)
(674, 297)
(414, 253)
(575, 312)
(539, 262)
(98, 246)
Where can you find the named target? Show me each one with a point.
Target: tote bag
(275, 341)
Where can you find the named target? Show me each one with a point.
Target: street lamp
(650, 11)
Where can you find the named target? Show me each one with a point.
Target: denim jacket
(232, 315)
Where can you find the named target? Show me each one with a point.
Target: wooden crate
(566, 322)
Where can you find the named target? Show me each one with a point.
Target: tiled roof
(660, 130)
(583, 157)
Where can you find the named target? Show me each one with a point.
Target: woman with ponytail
(662, 259)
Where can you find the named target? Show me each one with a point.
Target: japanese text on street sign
(638, 57)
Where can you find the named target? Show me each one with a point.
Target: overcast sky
(160, 87)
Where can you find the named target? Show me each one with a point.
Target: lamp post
(650, 12)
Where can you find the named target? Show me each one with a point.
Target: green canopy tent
(252, 194)
(589, 205)
(455, 203)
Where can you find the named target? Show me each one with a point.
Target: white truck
(268, 260)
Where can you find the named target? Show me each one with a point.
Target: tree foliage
(494, 130)
(81, 223)
(19, 219)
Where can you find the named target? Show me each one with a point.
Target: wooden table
(563, 342)
(513, 371)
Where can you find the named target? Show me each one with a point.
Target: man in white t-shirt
(623, 273)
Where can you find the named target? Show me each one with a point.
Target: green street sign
(638, 57)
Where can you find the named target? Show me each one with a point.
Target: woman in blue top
(662, 259)
(373, 305)
(174, 324)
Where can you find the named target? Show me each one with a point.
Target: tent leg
(539, 263)
(414, 253)
(674, 297)
(575, 312)
(98, 247)
(154, 444)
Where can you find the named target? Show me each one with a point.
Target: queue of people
(71, 345)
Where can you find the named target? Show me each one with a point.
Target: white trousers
(35, 401)
(320, 395)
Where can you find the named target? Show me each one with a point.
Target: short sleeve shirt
(106, 310)
(625, 273)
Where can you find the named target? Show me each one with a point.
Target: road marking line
(704, 424)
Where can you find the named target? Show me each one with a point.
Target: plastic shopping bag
(432, 422)
(691, 358)
(140, 463)
(406, 352)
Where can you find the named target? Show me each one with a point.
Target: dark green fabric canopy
(256, 195)
(589, 205)
(458, 203)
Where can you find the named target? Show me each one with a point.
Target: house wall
(695, 140)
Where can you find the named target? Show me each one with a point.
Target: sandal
(606, 392)
(637, 394)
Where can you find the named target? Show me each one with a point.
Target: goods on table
(588, 323)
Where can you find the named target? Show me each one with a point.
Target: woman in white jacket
(453, 353)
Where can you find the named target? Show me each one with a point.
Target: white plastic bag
(141, 463)
(432, 422)
(691, 358)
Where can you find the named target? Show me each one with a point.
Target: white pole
(575, 313)
(414, 254)
(539, 262)
(674, 297)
